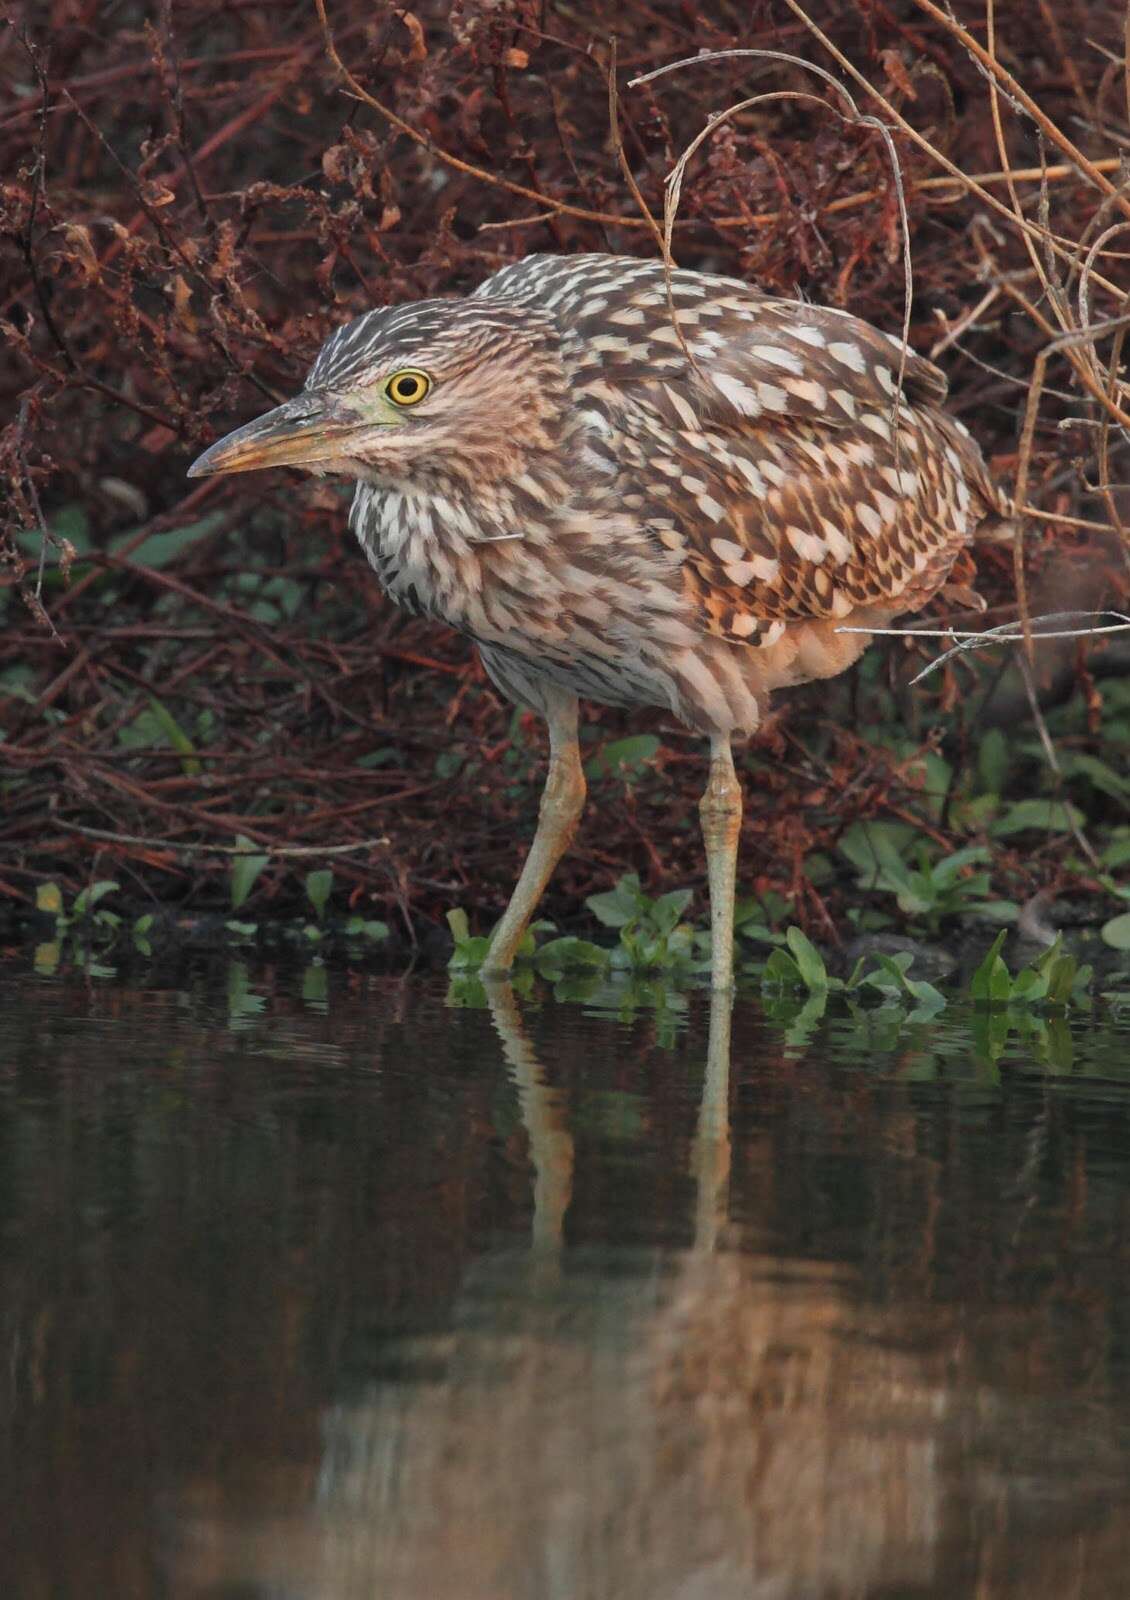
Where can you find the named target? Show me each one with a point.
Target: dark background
(191, 199)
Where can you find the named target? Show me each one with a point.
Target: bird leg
(721, 812)
(562, 802)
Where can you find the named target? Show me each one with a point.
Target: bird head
(438, 393)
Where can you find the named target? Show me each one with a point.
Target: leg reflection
(710, 1159)
(551, 1144)
(543, 1115)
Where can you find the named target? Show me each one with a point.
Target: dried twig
(1005, 633)
(277, 852)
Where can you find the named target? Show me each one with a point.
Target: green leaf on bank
(49, 898)
(176, 736)
(319, 886)
(160, 550)
(993, 762)
(470, 949)
(1047, 816)
(88, 898)
(245, 869)
(1116, 932)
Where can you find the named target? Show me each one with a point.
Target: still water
(336, 1290)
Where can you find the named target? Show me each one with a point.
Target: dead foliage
(193, 195)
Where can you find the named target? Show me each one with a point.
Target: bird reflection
(613, 1422)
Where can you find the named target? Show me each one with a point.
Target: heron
(640, 485)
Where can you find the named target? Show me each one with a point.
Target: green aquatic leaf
(991, 1027)
(319, 886)
(243, 1004)
(991, 984)
(49, 898)
(88, 898)
(470, 949)
(896, 968)
(315, 985)
(665, 912)
(568, 955)
(781, 972)
(469, 954)
(1029, 986)
(47, 957)
(809, 961)
(617, 907)
(1116, 932)
(1056, 1047)
(1062, 976)
(244, 870)
(930, 1005)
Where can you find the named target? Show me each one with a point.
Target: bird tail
(958, 588)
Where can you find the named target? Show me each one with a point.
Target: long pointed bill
(300, 433)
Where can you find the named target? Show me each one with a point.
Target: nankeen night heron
(674, 502)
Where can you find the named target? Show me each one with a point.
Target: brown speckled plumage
(649, 532)
(635, 513)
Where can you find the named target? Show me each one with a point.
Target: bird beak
(299, 433)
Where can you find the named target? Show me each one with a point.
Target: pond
(370, 1286)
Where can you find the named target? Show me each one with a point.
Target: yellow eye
(408, 388)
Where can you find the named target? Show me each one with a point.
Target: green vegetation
(1053, 982)
(895, 858)
(653, 962)
(86, 932)
(247, 865)
(654, 942)
(245, 868)
(90, 931)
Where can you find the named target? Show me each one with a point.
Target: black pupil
(408, 388)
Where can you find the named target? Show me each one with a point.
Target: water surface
(343, 1290)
